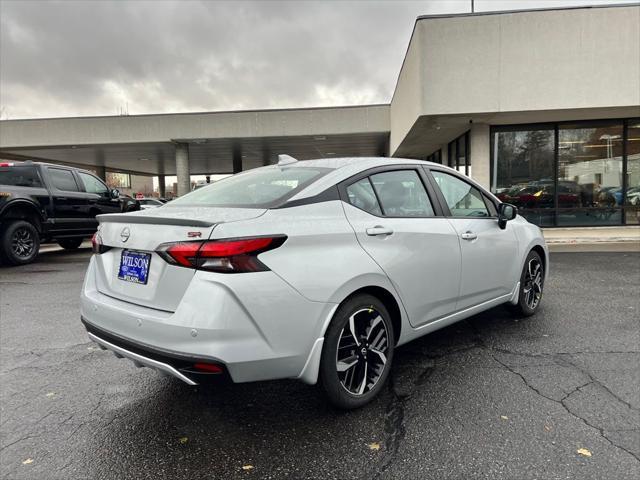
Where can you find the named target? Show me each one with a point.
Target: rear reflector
(207, 367)
(237, 255)
(5, 164)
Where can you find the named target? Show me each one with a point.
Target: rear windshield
(18, 176)
(260, 188)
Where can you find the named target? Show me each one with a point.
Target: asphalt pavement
(555, 396)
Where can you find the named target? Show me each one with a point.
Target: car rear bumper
(168, 363)
(258, 328)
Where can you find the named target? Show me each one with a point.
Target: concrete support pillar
(480, 146)
(237, 158)
(101, 172)
(162, 189)
(182, 169)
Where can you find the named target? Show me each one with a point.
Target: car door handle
(469, 236)
(378, 230)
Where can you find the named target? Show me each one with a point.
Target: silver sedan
(315, 270)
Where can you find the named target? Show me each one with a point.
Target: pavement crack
(562, 402)
(600, 384)
(21, 439)
(393, 427)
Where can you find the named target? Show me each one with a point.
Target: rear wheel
(531, 285)
(357, 352)
(19, 243)
(70, 243)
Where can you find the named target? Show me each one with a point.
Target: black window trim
(453, 160)
(418, 168)
(486, 196)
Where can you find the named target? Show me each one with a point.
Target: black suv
(41, 202)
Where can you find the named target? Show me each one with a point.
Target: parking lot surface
(554, 396)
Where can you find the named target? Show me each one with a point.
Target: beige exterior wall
(167, 127)
(556, 60)
(406, 103)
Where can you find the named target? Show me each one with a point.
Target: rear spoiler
(140, 219)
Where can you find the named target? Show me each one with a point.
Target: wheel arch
(389, 301)
(543, 255)
(22, 210)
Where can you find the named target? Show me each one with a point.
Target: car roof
(31, 163)
(345, 162)
(343, 168)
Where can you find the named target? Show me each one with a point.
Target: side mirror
(506, 212)
(115, 193)
(129, 205)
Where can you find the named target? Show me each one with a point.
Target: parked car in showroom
(316, 270)
(42, 202)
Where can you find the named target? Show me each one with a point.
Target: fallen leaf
(27, 461)
(50, 394)
(584, 451)
(247, 467)
(374, 446)
(504, 417)
(183, 440)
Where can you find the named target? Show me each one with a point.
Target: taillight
(96, 244)
(235, 255)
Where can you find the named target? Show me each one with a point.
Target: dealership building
(540, 106)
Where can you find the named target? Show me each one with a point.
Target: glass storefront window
(569, 174)
(632, 198)
(118, 180)
(523, 171)
(590, 174)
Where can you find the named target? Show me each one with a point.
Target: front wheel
(531, 285)
(357, 352)
(19, 243)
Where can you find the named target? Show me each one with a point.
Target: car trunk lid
(141, 233)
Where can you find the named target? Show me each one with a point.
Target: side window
(361, 195)
(402, 194)
(463, 199)
(63, 180)
(93, 184)
(20, 176)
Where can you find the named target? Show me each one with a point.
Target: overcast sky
(72, 58)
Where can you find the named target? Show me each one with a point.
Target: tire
(70, 243)
(19, 243)
(369, 358)
(531, 285)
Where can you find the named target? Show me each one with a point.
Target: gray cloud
(92, 57)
